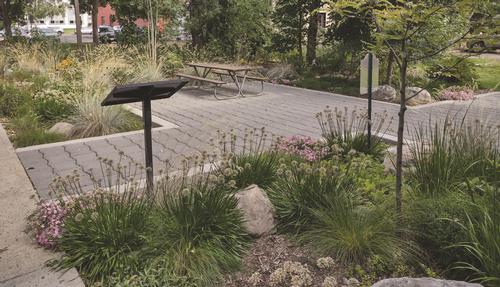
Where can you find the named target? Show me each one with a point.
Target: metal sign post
(145, 93)
(368, 82)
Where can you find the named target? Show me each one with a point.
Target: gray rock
(423, 97)
(62, 128)
(390, 159)
(385, 93)
(422, 282)
(282, 71)
(257, 211)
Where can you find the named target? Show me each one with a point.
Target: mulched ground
(270, 253)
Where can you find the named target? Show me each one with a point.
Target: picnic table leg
(237, 83)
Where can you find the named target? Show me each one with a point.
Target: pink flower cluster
(47, 222)
(456, 93)
(304, 147)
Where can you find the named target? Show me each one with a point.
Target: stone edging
(164, 125)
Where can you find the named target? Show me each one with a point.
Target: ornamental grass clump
(352, 234)
(199, 233)
(253, 161)
(482, 244)
(447, 155)
(302, 187)
(349, 131)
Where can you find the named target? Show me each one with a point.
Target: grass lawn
(489, 72)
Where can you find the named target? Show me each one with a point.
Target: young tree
(413, 31)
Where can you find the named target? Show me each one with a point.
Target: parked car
(2, 33)
(117, 28)
(107, 34)
(59, 30)
(86, 31)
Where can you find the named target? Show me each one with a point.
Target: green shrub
(51, 108)
(104, 234)
(431, 219)
(447, 155)
(28, 131)
(347, 132)
(199, 233)
(482, 244)
(11, 98)
(355, 234)
(447, 69)
(303, 187)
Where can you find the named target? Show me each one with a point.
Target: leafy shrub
(28, 131)
(355, 234)
(456, 93)
(52, 105)
(303, 147)
(483, 247)
(303, 187)
(447, 69)
(104, 234)
(449, 154)
(348, 132)
(199, 233)
(11, 98)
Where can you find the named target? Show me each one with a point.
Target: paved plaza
(196, 116)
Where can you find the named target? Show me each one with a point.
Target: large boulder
(422, 282)
(422, 96)
(62, 128)
(385, 93)
(257, 209)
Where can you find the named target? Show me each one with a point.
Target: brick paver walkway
(282, 110)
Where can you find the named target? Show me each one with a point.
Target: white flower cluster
(325, 263)
(299, 275)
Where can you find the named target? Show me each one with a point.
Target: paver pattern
(282, 110)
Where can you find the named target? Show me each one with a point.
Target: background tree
(413, 31)
(11, 11)
(92, 7)
(237, 28)
(289, 18)
(312, 30)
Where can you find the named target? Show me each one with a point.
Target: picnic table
(237, 73)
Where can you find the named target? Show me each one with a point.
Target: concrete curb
(22, 263)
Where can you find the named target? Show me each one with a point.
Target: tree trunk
(196, 33)
(390, 68)
(312, 31)
(95, 30)
(401, 126)
(299, 31)
(78, 22)
(7, 22)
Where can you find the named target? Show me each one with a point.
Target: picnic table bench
(237, 73)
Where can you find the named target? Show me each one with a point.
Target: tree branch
(442, 48)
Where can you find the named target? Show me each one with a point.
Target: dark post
(144, 92)
(370, 86)
(148, 146)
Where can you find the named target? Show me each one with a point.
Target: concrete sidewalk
(22, 263)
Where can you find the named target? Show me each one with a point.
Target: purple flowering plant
(304, 147)
(46, 223)
(456, 93)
